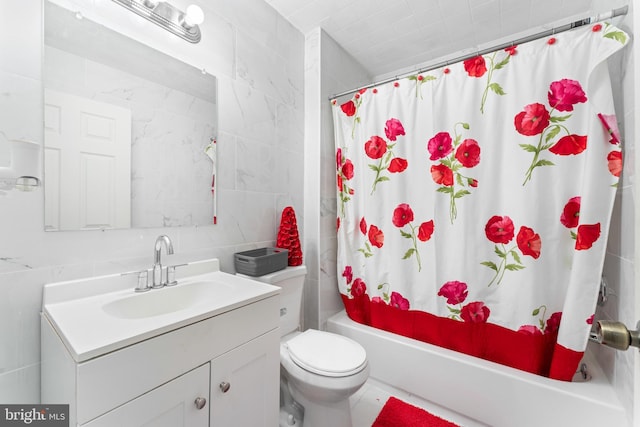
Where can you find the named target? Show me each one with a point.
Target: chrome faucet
(158, 280)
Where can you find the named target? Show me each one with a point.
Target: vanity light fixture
(169, 17)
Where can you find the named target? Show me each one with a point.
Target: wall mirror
(125, 131)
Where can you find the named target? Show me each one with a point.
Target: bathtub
(488, 392)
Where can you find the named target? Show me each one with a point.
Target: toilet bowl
(323, 370)
(319, 370)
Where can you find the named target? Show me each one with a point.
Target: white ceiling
(391, 35)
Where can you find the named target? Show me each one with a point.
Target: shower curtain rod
(601, 17)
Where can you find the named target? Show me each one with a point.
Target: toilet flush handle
(225, 386)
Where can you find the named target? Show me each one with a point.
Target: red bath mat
(397, 413)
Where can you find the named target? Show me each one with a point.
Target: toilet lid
(327, 354)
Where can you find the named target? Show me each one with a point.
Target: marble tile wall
(258, 59)
(620, 259)
(329, 70)
(340, 72)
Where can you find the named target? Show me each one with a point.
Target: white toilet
(319, 370)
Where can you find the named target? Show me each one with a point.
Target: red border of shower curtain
(538, 354)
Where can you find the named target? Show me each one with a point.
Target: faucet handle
(171, 274)
(143, 280)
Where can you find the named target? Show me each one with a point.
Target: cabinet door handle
(200, 402)
(225, 386)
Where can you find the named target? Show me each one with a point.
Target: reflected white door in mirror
(88, 154)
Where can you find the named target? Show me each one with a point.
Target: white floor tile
(367, 403)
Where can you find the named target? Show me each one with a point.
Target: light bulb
(194, 16)
(150, 3)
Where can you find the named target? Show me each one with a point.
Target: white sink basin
(101, 314)
(157, 302)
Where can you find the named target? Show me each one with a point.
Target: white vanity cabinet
(242, 392)
(211, 367)
(179, 403)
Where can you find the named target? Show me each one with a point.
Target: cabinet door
(170, 405)
(245, 384)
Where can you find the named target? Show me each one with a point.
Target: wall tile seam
(252, 141)
(281, 97)
(295, 107)
(609, 253)
(275, 194)
(284, 148)
(21, 368)
(234, 66)
(275, 102)
(20, 75)
(258, 244)
(48, 269)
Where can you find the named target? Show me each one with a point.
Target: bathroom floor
(367, 403)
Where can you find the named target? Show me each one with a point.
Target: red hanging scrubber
(288, 237)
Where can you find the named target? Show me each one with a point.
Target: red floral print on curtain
(614, 158)
(377, 148)
(614, 163)
(502, 268)
(420, 80)
(375, 238)
(475, 312)
(403, 216)
(571, 214)
(453, 156)
(586, 234)
(345, 173)
(548, 326)
(477, 67)
(610, 124)
(350, 109)
(456, 293)
(535, 120)
(500, 230)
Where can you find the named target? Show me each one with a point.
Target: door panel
(87, 163)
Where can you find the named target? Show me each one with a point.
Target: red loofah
(288, 237)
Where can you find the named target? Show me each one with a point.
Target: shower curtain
(474, 200)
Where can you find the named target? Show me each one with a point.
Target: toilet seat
(326, 354)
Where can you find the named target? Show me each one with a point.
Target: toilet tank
(291, 280)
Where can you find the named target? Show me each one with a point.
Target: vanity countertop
(98, 315)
